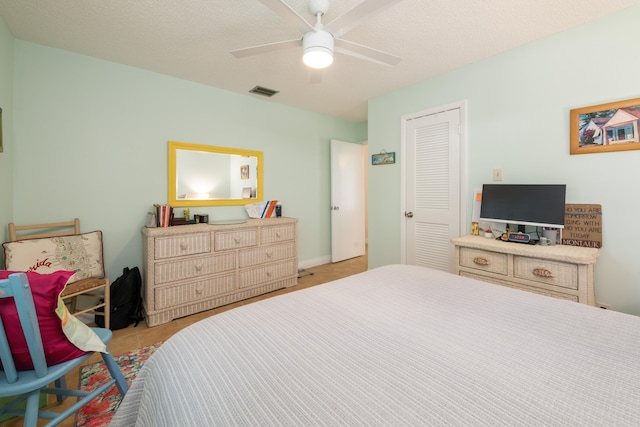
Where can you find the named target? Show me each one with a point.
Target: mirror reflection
(201, 175)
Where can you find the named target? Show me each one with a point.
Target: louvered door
(432, 168)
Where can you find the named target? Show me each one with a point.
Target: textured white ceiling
(191, 39)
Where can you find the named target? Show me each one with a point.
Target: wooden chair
(97, 288)
(26, 385)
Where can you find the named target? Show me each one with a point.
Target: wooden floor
(132, 337)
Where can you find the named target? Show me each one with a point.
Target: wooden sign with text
(582, 226)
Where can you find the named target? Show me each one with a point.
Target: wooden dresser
(559, 271)
(192, 268)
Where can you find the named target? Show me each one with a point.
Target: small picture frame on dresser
(179, 221)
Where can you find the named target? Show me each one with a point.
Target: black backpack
(126, 300)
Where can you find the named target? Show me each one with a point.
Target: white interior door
(347, 201)
(433, 212)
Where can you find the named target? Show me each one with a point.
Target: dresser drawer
(268, 273)
(493, 262)
(225, 240)
(508, 284)
(278, 233)
(172, 271)
(262, 254)
(175, 295)
(187, 244)
(546, 271)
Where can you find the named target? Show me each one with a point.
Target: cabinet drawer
(545, 271)
(267, 273)
(172, 271)
(514, 285)
(254, 256)
(278, 233)
(225, 240)
(484, 260)
(188, 244)
(174, 295)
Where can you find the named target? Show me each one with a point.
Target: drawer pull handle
(198, 267)
(542, 272)
(237, 240)
(268, 274)
(199, 290)
(268, 254)
(278, 234)
(183, 246)
(480, 261)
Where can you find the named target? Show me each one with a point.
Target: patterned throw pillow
(81, 253)
(64, 337)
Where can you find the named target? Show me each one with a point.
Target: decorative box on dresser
(559, 271)
(192, 268)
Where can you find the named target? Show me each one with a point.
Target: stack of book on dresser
(164, 215)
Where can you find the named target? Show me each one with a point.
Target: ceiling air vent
(259, 90)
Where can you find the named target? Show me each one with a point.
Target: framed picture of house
(605, 127)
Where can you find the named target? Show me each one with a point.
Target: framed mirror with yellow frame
(206, 175)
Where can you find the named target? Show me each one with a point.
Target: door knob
(335, 208)
(408, 214)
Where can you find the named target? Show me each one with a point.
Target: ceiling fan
(318, 41)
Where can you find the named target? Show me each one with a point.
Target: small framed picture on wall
(383, 158)
(244, 172)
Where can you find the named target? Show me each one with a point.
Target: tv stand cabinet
(559, 271)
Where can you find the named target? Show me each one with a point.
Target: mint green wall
(91, 141)
(518, 120)
(6, 103)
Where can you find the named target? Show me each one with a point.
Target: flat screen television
(540, 205)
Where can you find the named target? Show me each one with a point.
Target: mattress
(396, 345)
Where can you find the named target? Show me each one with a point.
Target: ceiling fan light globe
(318, 49)
(317, 57)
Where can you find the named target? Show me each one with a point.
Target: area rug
(99, 411)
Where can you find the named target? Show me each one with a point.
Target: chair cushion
(81, 253)
(63, 336)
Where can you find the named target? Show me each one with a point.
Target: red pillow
(45, 289)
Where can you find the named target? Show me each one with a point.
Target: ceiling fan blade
(357, 15)
(264, 48)
(287, 14)
(364, 52)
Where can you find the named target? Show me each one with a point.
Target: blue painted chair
(27, 385)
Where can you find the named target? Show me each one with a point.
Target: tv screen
(524, 204)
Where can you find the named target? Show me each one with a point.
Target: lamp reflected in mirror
(203, 175)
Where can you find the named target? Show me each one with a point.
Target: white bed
(396, 345)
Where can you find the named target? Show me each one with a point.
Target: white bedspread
(396, 345)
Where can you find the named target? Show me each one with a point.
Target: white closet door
(432, 174)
